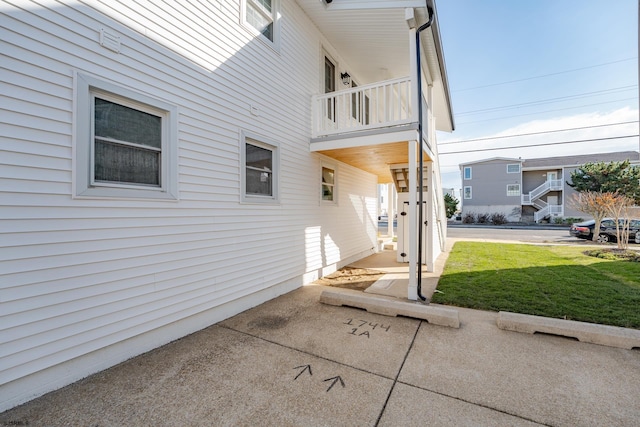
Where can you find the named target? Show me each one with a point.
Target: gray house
(527, 190)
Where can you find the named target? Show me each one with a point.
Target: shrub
(482, 218)
(469, 218)
(498, 219)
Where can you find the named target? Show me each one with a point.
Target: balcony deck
(369, 126)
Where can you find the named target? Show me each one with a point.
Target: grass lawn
(551, 281)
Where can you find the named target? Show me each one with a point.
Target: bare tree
(596, 204)
(620, 211)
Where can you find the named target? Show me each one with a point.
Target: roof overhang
(372, 39)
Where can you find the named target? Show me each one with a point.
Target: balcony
(377, 106)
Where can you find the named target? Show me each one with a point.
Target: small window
(260, 170)
(513, 189)
(328, 184)
(260, 16)
(126, 143)
(513, 168)
(467, 173)
(467, 192)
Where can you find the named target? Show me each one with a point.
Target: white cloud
(528, 147)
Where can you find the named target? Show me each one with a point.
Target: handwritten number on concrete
(362, 324)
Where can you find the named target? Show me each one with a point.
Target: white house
(166, 165)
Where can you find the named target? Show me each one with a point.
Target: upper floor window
(467, 172)
(513, 168)
(126, 143)
(513, 189)
(260, 162)
(261, 17)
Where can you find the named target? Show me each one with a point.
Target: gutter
(421, 151)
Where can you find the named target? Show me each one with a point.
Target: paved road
(528, 234)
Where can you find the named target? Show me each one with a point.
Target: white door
(552, 176)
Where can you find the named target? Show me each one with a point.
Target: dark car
(584, 230)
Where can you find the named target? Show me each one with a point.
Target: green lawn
(551, 281)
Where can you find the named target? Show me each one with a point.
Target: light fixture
(346, 78)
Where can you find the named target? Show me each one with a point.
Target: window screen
(127, 144)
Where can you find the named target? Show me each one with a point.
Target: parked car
(584, 230)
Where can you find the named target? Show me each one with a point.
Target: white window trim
(464, 173)
(85, 87)
(513, 164)
(464, 192)
(275, 11)
(334, 167)
(513, 195)
(274, 147)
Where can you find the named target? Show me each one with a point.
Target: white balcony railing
(541, 190)
(554, 210)
(377, 105)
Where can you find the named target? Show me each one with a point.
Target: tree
(621, 211)
(596, 204)
(611, 177)
(450, 204)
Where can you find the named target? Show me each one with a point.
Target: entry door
(330, 86)
(552, 176)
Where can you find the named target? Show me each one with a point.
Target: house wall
(568, 194)
(87, 283)
(489, 182)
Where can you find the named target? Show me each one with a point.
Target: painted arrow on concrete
(335, 380)
(306, 368)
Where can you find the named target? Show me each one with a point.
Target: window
(328, 184)
(126, 143)
(467, 192)
(513, 189)
(467, 173)
(260, 16)
(260, 162)
(359, 106)
(513, 168)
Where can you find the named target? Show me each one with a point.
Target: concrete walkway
(296, 362)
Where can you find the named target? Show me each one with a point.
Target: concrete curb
(391, 306)
(611, 336)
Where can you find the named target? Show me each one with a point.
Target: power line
(536, 133)
(538, 145)
(548, 111)
(549, 100)
(545, 75)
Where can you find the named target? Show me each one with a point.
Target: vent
(109, 40)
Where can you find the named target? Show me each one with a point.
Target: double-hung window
(261, 16)
(126, 143)
(260, 164)
(467, 192)
(513, 168)
(513, 189)
(328, 190)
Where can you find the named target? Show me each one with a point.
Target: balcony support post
(412, 291)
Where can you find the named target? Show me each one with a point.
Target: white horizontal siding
(80, 277)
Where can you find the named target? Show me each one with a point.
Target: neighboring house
(492, 186)
(527, 190)
(166, 165)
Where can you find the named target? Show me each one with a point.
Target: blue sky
(524, 67)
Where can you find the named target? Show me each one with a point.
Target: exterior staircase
(533, 198)
(400, 175)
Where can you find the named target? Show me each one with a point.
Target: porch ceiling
(374, 159)
(373, 38)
